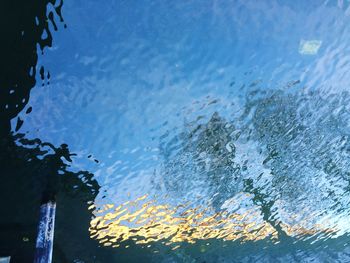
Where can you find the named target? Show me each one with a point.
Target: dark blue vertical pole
(44, 241)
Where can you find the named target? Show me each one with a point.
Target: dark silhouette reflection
(23, 25)
(29, 169)
(32, 168)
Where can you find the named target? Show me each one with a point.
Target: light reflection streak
(146, 221)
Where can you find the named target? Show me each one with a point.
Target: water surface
(216, 131)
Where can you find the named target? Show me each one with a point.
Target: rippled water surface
(214, 131)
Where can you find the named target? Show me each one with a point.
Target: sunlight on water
(146, 223)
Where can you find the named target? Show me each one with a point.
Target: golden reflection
(145, 221)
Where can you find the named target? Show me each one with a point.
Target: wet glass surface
(191, 131)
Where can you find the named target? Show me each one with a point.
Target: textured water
(202, 131)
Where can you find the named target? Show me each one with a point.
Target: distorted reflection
(200, 122)
(273, 172)
(146, 222)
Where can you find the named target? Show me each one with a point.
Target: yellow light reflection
(145, 221)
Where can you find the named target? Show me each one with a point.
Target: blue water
(237, 107)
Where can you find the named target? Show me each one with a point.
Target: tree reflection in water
(278, 171)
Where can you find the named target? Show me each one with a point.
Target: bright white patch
(309, 47)
(5, 260)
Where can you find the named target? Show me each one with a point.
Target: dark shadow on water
(23, 25)
(31, 167)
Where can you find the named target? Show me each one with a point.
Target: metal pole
(44, 241)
